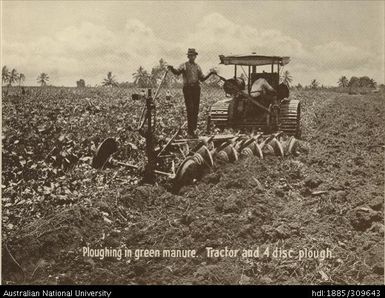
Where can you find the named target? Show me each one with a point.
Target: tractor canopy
(253, 60)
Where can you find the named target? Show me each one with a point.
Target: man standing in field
(192, 75)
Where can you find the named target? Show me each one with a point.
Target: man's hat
(192, 52)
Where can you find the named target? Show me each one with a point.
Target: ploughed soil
(326, 203)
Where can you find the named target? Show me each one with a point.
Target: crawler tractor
(261, 103)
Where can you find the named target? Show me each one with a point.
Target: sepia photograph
(192, 143)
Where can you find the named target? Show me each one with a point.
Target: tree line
(10, 77)
(143, 78)
(149, 79)
(343, 82)
(360, 82)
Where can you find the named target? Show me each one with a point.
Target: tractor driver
(192, 75)
(260, 92)
(261, 87)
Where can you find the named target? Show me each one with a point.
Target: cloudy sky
(71, 40)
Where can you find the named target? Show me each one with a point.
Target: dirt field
(328, 198)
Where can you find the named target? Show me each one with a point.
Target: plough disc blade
(258, 151)
(203, 157)
(253, 149)
(186, 172)
(108, 147)
(228, 154)
(192, 166)
(290, 145)
(275, 146)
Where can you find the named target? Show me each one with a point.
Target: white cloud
(337, 55)
(90, 50)
(216, 34)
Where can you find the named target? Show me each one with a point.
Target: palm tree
(314, 84)
(42, 79)
(354, 82)
(141, 77)
(13, 77)
(286, 78)
(156, 74)
(162, 64)
(21, 78)
(160, 69)
(110, 80)
(343, 82)
(4, 74)
(372, 83)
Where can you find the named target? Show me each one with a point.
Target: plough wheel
(108, 147)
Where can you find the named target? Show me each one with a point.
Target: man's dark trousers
(192, 96)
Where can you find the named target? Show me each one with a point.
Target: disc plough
(199, 156)
(229, 149)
